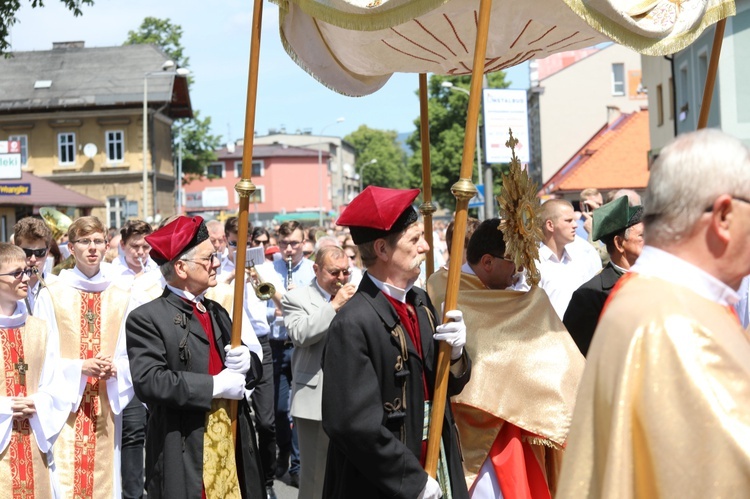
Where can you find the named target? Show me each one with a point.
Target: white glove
(453, 332)
(431, 490)
(237, 359)
(229, 384)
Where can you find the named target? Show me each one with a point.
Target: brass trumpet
(263, 290)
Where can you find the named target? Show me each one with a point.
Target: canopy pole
(463, 190)
(713, 66)
(426, 208)
(245, 188)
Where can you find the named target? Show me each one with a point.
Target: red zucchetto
(377, 212)
(176, 237)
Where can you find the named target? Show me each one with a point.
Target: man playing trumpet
(308, 311)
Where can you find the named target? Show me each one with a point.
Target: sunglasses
(39, 253)
(335, 273)
(18, 274)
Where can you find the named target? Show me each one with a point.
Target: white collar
(75, 278)
(326, 295)
(545, 253)
(620, 269)
(654, 262)
(391, 290)
(187, 295)
(466, 269)
(18, 318)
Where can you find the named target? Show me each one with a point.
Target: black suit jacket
(168, 351)
(586, 306)
(369, 457)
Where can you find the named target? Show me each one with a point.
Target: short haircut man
(667, 377)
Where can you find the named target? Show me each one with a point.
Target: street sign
(10, 159)
(478, 200)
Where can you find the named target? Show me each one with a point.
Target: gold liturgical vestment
(663, 409)
(89, 323)
(23, 467)
(525, 370)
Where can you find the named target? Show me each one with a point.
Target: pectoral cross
(91, 319)
(21, 367)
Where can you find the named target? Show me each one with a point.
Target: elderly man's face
(201, 268)
(633, 245)
(332, 274)
(409, 252)
(216, 236)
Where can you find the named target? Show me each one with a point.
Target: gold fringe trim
(645, 45)
(541, 441)
(373, 20)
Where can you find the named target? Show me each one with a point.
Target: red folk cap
(176, 237)
(379, 211)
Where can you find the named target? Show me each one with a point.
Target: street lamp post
(166, 71)
(449, 85)
(320, 173)
(362, 171)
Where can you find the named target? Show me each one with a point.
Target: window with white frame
(116, 209)
(115, 144)
(66, 148)
(257, 169)
(215, 170)
(24, 140)
(618, 78)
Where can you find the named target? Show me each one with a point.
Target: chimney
(68, 45)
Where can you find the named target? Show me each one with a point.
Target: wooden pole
(245, 189)
(713, 66)
(427, 208)
(463, 190)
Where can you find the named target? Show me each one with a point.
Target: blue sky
(216, 37)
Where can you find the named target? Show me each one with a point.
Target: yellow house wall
(95, 177)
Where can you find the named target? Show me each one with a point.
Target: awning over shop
(31, 190)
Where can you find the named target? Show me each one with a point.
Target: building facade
(79, 118)
(344, 178)
(287, 180)
(676, 84)
(572, 94)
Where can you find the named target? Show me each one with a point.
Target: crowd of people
(608, 379)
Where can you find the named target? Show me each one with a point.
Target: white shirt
(560, 278)
(654, 262)
(119, 266)
(742, 308)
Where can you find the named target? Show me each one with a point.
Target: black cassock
(586, 305)
(168, 351)
(362, 394)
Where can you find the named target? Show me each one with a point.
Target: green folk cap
(615, 216)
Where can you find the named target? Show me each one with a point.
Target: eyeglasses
(260, 241)
(337, 272)
(505, 257)
(18, 274)
(209, 258)
(293, 244)
(233, 244)
(87, 242)
(39, 253)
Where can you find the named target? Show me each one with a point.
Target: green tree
(163, 34)
(389, 169)
(198, 143)
(447, 122)
(9, 8)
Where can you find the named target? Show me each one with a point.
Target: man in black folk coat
(184, 370)
(619, 227)
(379, 364)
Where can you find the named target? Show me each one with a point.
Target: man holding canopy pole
(185, 371)
(379, 364)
